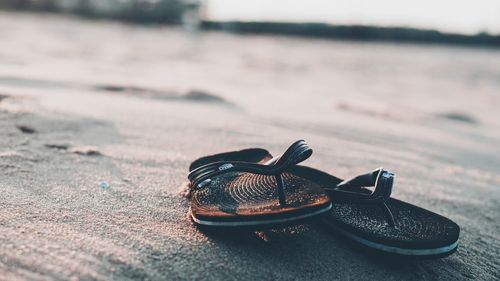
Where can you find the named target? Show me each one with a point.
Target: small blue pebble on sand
(103, 184)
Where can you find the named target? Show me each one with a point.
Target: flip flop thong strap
(296, 153)
(351, 190)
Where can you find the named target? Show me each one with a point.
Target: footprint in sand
(2, 97)
(460, 117)
(192, 95)
(56, 146)
(79, 150)
(198, 95)
(26, 129)
(86, 151)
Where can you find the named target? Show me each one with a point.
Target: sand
(99, 122)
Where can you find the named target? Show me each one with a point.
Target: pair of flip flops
(252, 189)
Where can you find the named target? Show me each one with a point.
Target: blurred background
(378, 57)
(383, 58)
(330, 60)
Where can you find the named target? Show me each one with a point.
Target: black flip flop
(249, 188)
(381, 223)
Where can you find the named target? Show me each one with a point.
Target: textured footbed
(237, 197)
(415, 228)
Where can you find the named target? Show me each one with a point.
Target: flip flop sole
(241, 199)
(261, 222)
(417, 232)
(249, 199)
(421, 253)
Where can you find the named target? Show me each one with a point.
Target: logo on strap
(225, 167)
(387, 175)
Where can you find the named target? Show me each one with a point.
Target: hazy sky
(465, 16)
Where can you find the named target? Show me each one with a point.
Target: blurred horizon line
(355, 32)
(192, 14)
(449, 16)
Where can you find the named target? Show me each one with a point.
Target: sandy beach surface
(85, 102)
